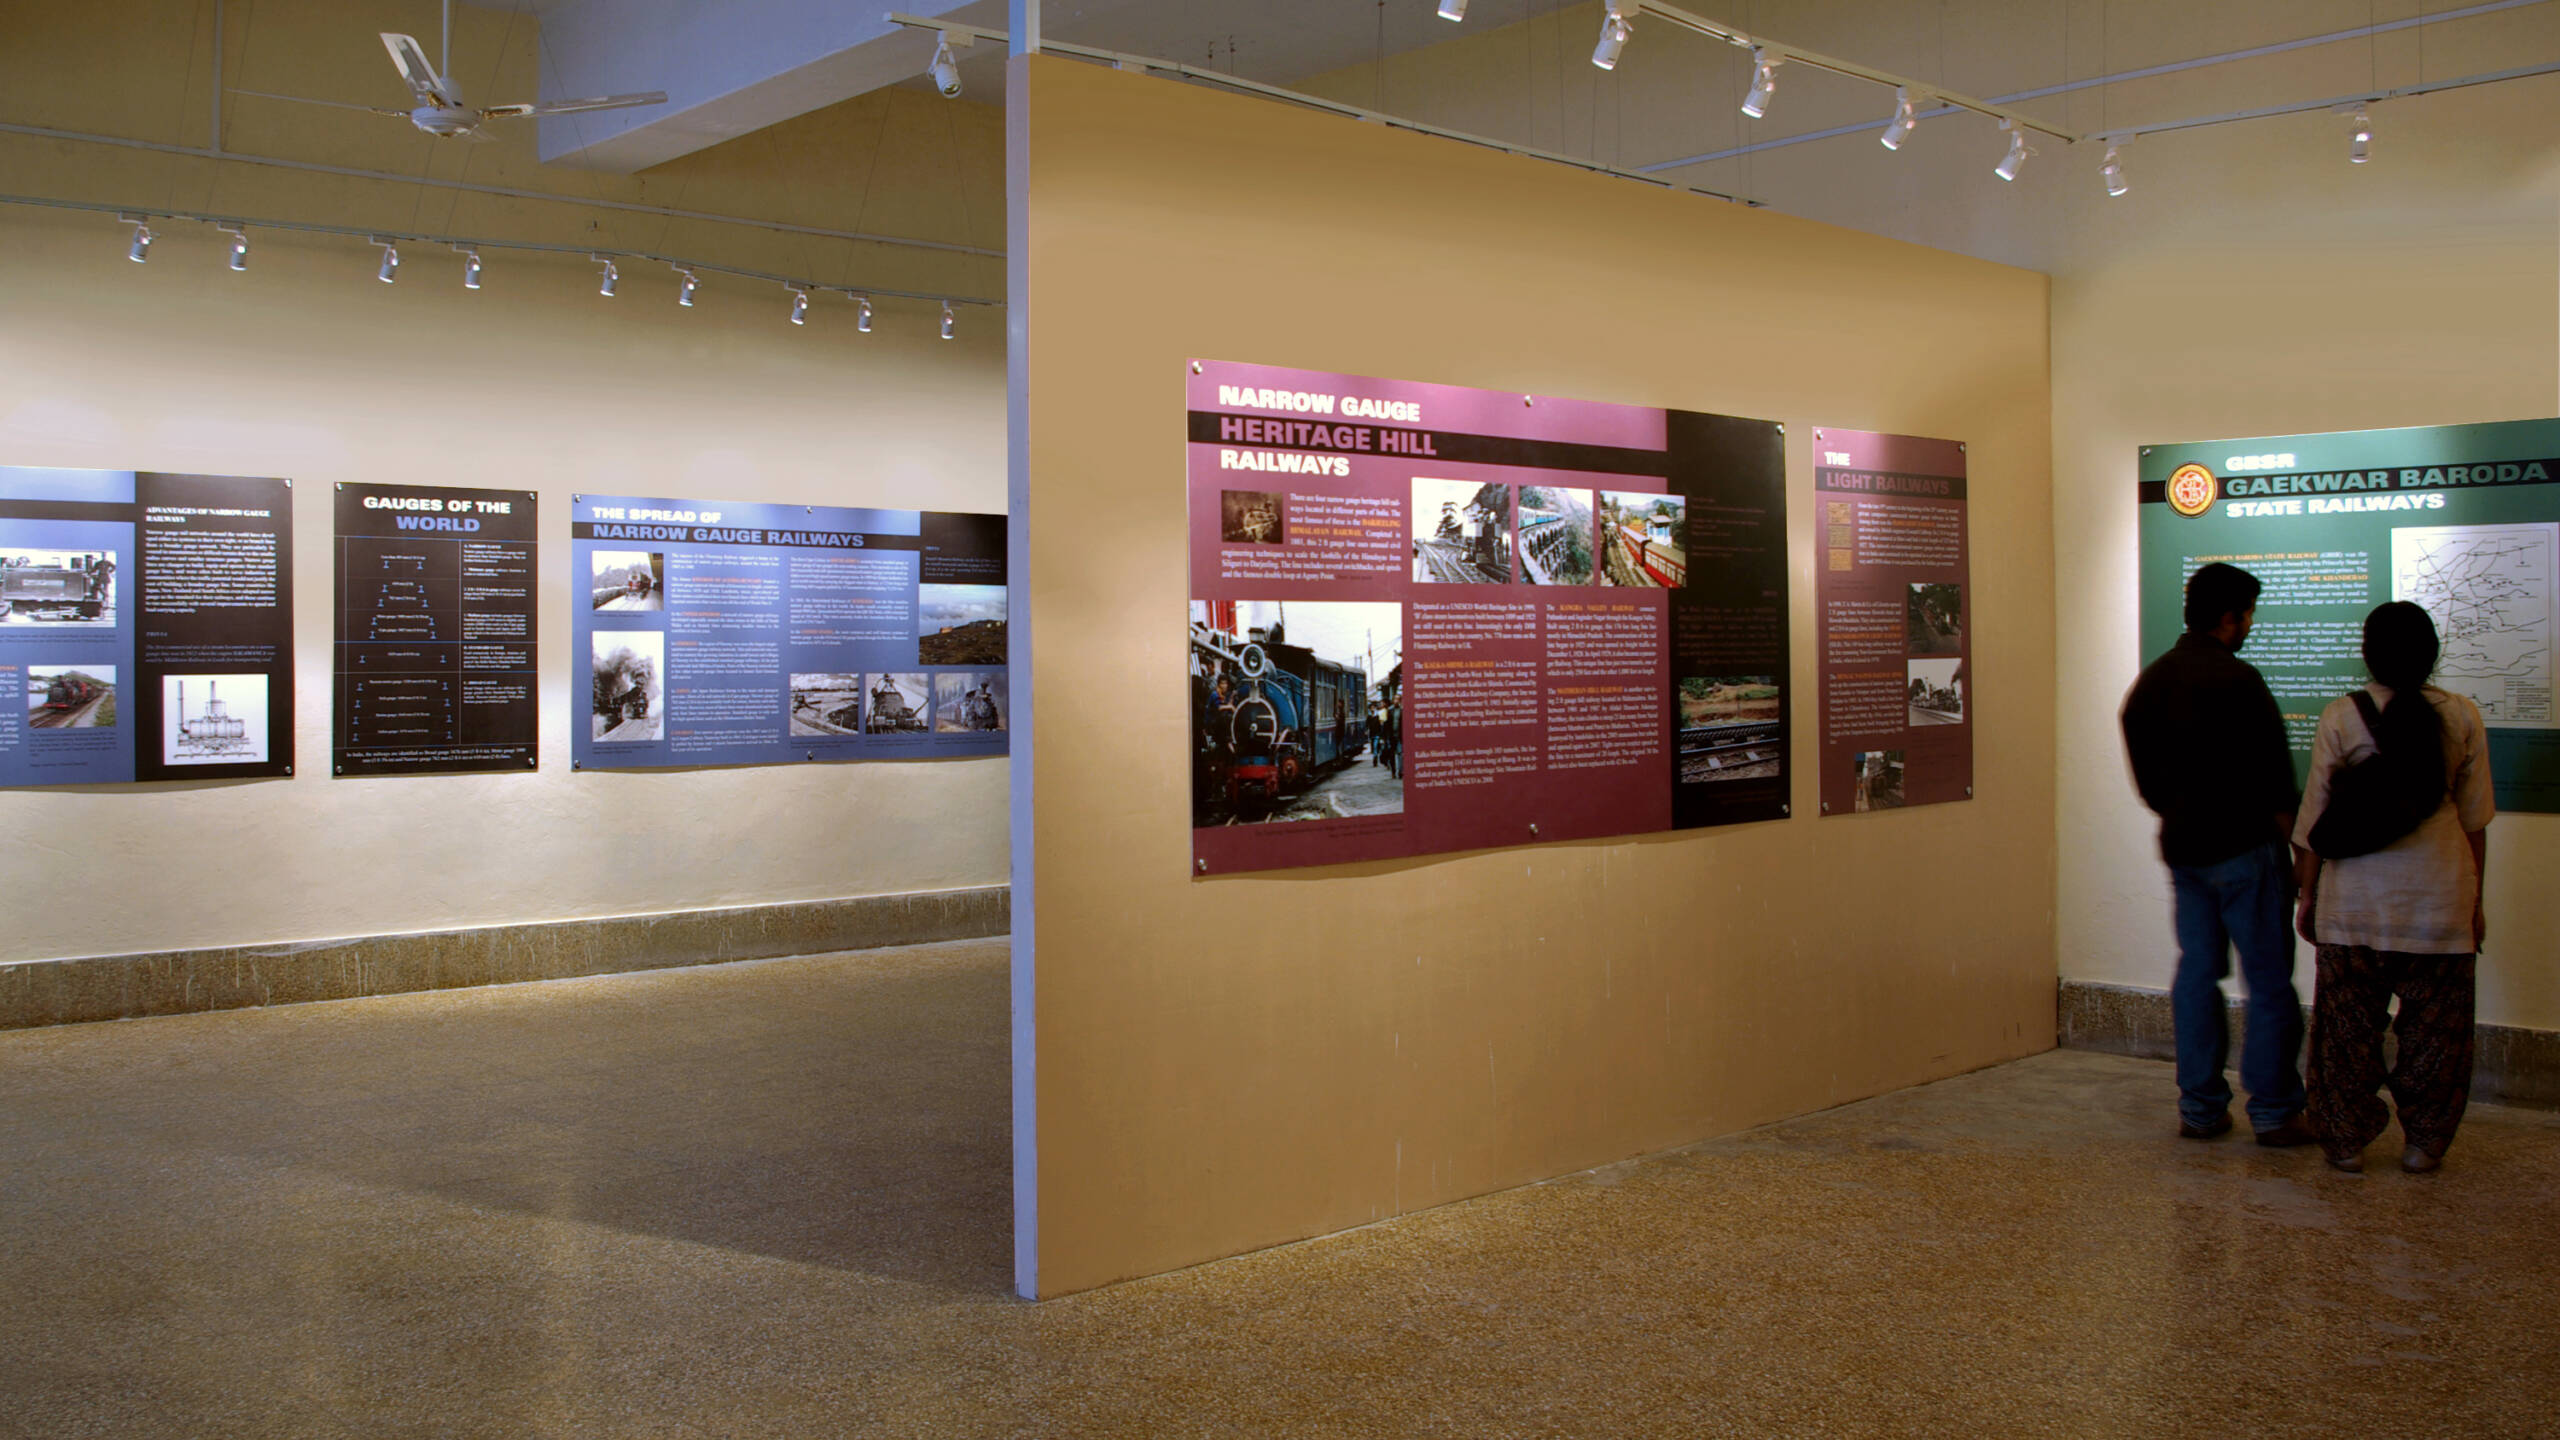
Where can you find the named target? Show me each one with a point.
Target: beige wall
(304, 366)
(1231, 1063)
(2251, 283)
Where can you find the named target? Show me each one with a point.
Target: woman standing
(2402, 920)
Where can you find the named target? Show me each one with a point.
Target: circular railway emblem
(2191, 490)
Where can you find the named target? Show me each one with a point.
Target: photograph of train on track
(71, 697)
(1555, 536)
(1936, 619)
(1731, 727)
(1644, 540)
(959, 624)
(1937, 692)
(628, 691)
(967, 701)
(897, 702)
(213, 719)
(1879, 775)
(1461, 532)
(58, 588)
(826, 704)
(1252, 517)
(627, 580)
(1286, 723)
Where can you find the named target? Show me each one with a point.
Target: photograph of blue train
(1287, 721)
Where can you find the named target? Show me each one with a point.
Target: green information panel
(2462, 519)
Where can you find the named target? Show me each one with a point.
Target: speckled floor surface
(771, 1200)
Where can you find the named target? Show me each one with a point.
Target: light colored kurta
(2415, 895)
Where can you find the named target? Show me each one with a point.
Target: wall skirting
(2510, 1065)
(176, 982)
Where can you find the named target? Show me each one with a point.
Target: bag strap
(2372, 716)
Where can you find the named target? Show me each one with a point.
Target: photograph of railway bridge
(826, 703)
(1461, 532)
(1287, 722)
(71, 697)
(58, 588)
(1935, 622)
(1731, 727)
(1937, 691)
(626, 580)
(1644, 540)
(959, 624)
(1555, 536)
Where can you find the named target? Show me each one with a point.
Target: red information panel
(1896, 621)
(1428, 618)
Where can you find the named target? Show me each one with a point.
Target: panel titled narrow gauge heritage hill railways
(2461, 519)
(435, 652)
(146, 627)
(1429, 618)
(1891, 588)
(721, 633)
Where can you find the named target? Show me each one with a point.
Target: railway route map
(2494, 591)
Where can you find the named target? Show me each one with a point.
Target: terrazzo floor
(771, 1200)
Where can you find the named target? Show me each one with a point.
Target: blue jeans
(2241, 903)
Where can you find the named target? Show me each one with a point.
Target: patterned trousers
(2431, 1082)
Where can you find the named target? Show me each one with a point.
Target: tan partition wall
(1214, 1065)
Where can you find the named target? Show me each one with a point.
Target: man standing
(2211, 759)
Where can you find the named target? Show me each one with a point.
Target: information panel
(1891, 586)
(2462, 519)
(146, 627)
(1428, 618)
(716, 633)
(435, 622)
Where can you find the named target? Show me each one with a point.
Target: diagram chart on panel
(2492, 590)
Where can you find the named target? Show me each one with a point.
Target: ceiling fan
(439, 110)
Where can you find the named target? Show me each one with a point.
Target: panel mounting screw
(1203, 866)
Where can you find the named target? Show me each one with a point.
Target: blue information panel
(717, 633)
(145, 627)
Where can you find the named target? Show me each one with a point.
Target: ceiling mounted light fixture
(470, 268)
(946, 320)
(390, 271)
(2113, 173)
(1905, 117)
(1453, 10)
(612, 276)
(239, 245)
(1614, 34)
(684, 292)
(2360, 148)
(2016, 160)
(799, 306)
(1764, 82)
(862, 314)
(945, 70)
(140, 254)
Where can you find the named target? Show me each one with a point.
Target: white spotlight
(2360, 149)
(612, 276)
(2011, 163)
(2113, 173)
(862, 315)
(239, 246)
(470, 269)
(1614, 34)
(390, 271)
(140, 254)
(1453, 9)
(684, 293)
(946, 319)
(945, 70)
(799, 306)
(1764, 82)
(1904, 118)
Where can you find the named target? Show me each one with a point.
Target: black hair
(2217, 590)
(2400, 650)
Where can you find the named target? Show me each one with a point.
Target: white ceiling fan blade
(430, 87)
(563, 107)
(332, 104)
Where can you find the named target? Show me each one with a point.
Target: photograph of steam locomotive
(1731, 727)
(1461, 532)
(965, 701)
(1934, 621)
(628, 687)
(1644, 540)
(897, 702)
(959, 624)
(1936, 689)
(1252, 517)
(1879, 775)
(1285, 724)
(626, 580)
(71, 697)
(826, 704)
(213, 719)
(1555, 536)
(58, 587)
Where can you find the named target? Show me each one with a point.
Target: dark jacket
(2209, 752)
